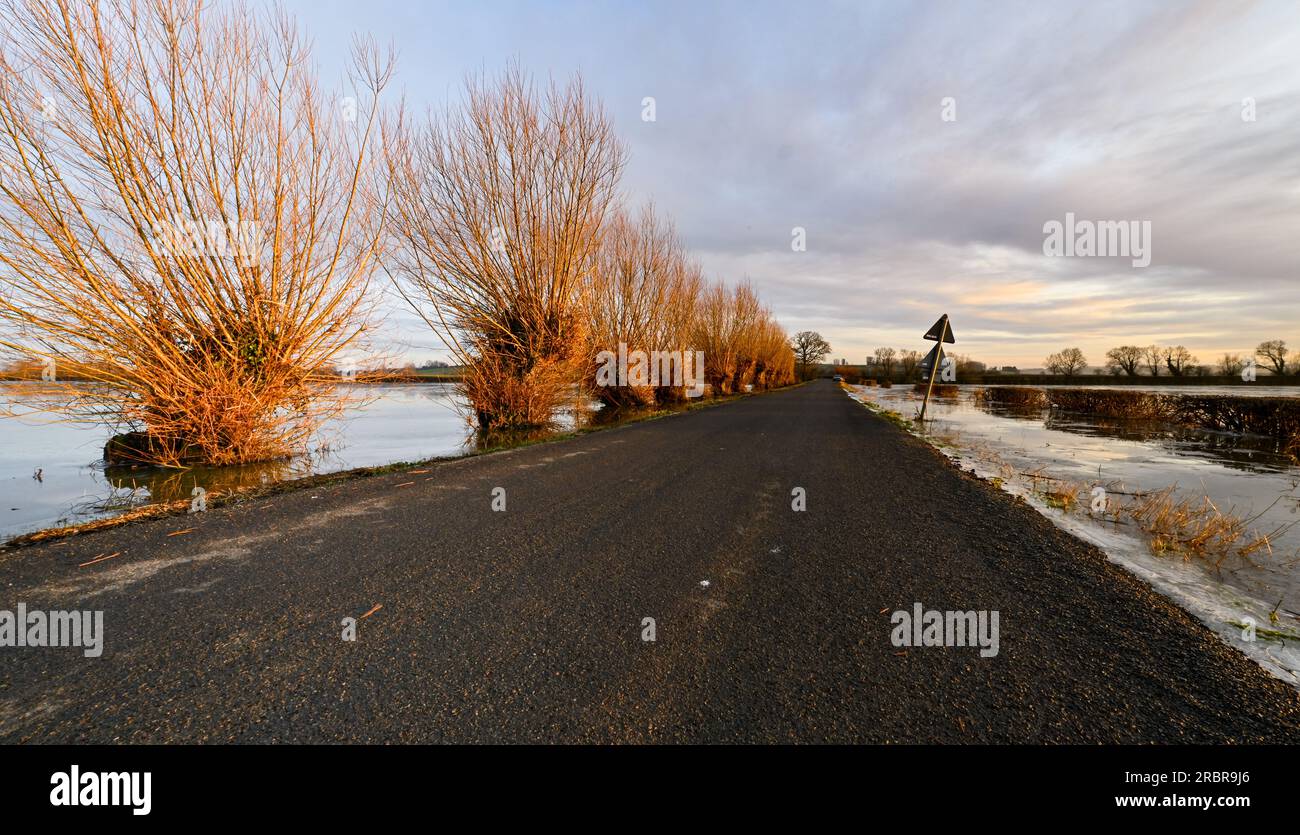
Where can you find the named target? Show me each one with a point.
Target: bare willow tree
(188, 220)
(739, 339)
(499, 209)
(774, 365)
(748, 315)
(1232, 364)
(640, 298)
(714, 333)
(678, 317)
(1178, 360)
(1151, 357)
(646, 296)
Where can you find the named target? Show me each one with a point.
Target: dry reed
(1195, 527)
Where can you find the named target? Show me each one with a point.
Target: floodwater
(394, 423)
(1244, 476)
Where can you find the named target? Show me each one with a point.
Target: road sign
(940, 330)
(936, 355)
(941, 333)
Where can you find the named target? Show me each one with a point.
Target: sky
(922, 147)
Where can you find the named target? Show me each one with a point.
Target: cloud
(827, 116)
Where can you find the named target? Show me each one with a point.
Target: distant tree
(1273, 352)
(1178, 359)
(431, 364)
(1125, 359)
(908, 361)
(885, 360)
(809, 349)
(1231, 364)
(1151, 356)
(1068, 362)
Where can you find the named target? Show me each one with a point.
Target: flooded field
(1243, 476)
(52, 473)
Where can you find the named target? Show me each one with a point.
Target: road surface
(527, 624)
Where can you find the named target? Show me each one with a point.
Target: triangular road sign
(938, 328)
(936, 355)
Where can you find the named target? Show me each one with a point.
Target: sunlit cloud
(827, 116)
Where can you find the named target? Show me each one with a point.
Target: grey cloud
(827, 116)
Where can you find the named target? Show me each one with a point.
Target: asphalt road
(526, 624)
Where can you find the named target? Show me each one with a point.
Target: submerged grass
(1191, 527)
(940, 389)
(1014, 396)
(1277, 417)
(888, 414)
(1270, 634)
(1194, 528)
(1062, 498)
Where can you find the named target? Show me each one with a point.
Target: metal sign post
(940, 333)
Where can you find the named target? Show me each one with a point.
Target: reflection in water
(391, 424)
(610, 416)
(1014, 412)
(1254, 453)
(165, 485)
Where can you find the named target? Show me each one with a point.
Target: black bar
(330, 784)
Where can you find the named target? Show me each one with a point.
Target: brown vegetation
(511, 246)
(742, 345)
(1013, 396)
(851, 374)
(187, 221)
(639, 297)
(499, 209)
(1120, 403)
(1277, 417)
(1194, 527)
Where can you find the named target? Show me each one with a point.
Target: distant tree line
(1177, 361)
(901, 364)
